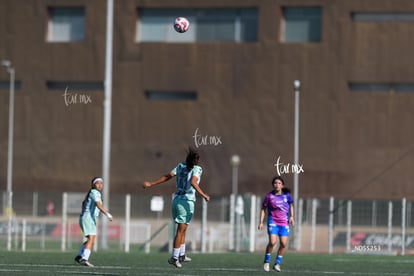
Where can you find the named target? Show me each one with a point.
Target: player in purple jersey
(279, 206)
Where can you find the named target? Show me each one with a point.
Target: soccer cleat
(78, 258)
(184, 259)
(85, 263)
(266, 267)
(277, 267)
(174, 262)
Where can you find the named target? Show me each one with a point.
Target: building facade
(225, 87)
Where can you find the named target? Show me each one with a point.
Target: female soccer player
(279, 205)
(187, 183)
(91, 207)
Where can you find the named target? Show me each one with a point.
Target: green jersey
(183, 180)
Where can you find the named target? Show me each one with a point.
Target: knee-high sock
(182, 250)
(86, 254)
(82, 248)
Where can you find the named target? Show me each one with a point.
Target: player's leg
(177, 214)
(283, 239)
(189, 210)
(88, 246)
(180, 236)
(82, 247)
(283, 245)
(181, 228)
(269, 249)
(89, 230)
(80, 252)
(181, 252)
(280, 252)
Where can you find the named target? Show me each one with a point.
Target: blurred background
(319, 91)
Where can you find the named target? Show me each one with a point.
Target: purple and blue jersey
(277, 208)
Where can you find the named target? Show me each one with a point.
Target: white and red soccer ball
(181, 24)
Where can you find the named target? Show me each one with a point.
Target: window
(5, 85)
(171, 95)
(382, 17)
(66, 24)
(380, 87)
(206, 25)
(301, 25)
(75, 85)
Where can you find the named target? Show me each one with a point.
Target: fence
(360, 226)
(224, 224)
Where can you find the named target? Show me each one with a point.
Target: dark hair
(93, 179)
(89, 192)
(192, 158)
(278, 178)
(284, 189)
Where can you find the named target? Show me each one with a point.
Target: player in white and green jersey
(188, 175)
(91, 208)
(183, 184)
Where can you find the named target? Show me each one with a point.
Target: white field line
(315, 272)
(63, 269)
(69, 269)
(376, 261)
(70, 272)
(62, 266)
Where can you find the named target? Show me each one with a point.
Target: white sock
(80, 253)
(182, 249)
(86, 254)
(175, 253)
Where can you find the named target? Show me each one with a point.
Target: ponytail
(192, 158)
(285, 190)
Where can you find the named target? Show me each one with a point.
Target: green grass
(111, 263)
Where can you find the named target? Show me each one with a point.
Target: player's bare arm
(291, 216)
(162, 179)
(102, 209)
(198, 189)
(262, 216)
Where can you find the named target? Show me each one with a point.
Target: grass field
(109, 263)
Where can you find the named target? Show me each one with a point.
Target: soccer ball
(181, 24)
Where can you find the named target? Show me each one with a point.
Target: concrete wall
(351, 144)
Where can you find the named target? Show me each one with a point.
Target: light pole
(235, 162)
(107, 105)
(296, 85)
(10, 70)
